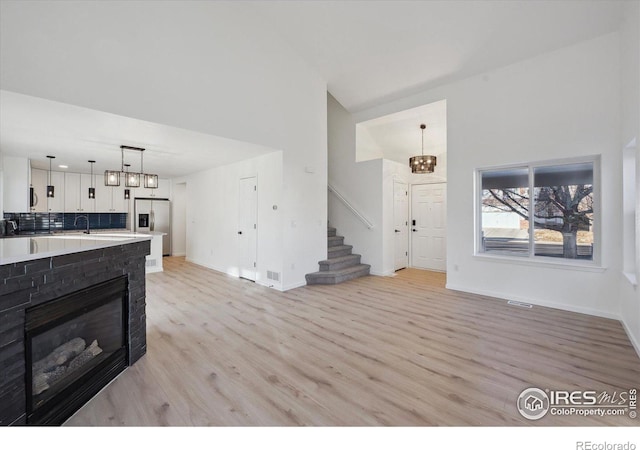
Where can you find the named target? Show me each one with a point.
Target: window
(538, 210)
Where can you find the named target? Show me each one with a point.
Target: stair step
(339, 250)
(331, 231)
(340, 262)
(338, 276)
(335, 241)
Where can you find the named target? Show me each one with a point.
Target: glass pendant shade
(127, 194)
(132, 179)
(151, 181)
(51, 191)
(92, 193)
(111, 178)
(422, 164)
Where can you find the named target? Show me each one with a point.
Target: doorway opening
(248, 228)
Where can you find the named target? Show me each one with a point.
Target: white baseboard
(381, 274)
(179, 254)
(294, 285)
(632, 338)
(533, 301)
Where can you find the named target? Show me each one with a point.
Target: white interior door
(400, 225)
(428, 226)
(248, 227)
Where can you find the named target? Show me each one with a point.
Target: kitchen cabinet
(76, 193)
(15, 184)
(39, 182)
(163, 190)
(110, 198)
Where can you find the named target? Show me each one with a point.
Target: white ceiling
(375, 51)
(369, 52)
(34, 127)
(398, 136)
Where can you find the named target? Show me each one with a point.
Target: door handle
(397, 231)
(414, 229)
(239, 232)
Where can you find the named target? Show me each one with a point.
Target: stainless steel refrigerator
(154, 214)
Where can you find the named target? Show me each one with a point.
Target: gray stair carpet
(341, 264)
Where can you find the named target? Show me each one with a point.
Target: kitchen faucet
(86, 218)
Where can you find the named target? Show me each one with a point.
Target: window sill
(632, 278)
(541, 261)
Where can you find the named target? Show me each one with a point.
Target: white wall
(204, 66)
(212, 214)
(179, 219)
(15, 192)
(360, 183)
(630, 93)
(561, 104)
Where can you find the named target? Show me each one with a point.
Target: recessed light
(63, 166)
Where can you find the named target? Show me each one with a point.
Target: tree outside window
(562, 214)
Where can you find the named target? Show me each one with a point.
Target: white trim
(541, 261)
(387, 273)
(277, 287)
(180, 254)
(350, 207)
(561, 306)
(632, 338)
(631, 278)
(294, 285)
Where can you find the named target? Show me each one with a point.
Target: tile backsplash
(30, 223)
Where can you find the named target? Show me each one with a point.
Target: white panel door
(248, 227)
(428, 226)
(400, 225)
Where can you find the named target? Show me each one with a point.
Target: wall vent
(275, 276)
(521, 304)
(151, 263)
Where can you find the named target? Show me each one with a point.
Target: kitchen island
(81, 296)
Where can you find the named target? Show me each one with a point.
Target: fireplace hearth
(75, 345)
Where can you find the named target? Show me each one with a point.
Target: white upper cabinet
(162, 191)
(110, 198)
(39, 182)
(76, 193)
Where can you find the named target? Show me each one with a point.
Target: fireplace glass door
(75, 345)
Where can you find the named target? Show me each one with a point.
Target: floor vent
(521, 304)
(275, 276)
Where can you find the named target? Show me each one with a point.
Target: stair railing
(350, 207)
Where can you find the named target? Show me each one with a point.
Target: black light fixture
(50, 188)
(92, 190)
(131, 179)
(127, 194)
(423, 163)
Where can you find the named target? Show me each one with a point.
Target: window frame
(530, 257)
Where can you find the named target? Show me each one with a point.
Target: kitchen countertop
(28, 248)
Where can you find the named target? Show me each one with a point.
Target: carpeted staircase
(340, 265)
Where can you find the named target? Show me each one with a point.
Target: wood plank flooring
(374, 351)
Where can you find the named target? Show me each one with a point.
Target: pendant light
(50, 188)
(131, 179)
(92, 190)
(423, 163)
(127, 192)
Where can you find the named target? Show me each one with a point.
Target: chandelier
(131, 179)
(423, 163)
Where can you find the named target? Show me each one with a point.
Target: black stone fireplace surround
(28, 284)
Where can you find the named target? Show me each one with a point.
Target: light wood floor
(372, 351)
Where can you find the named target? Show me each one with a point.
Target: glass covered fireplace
(75, 345)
